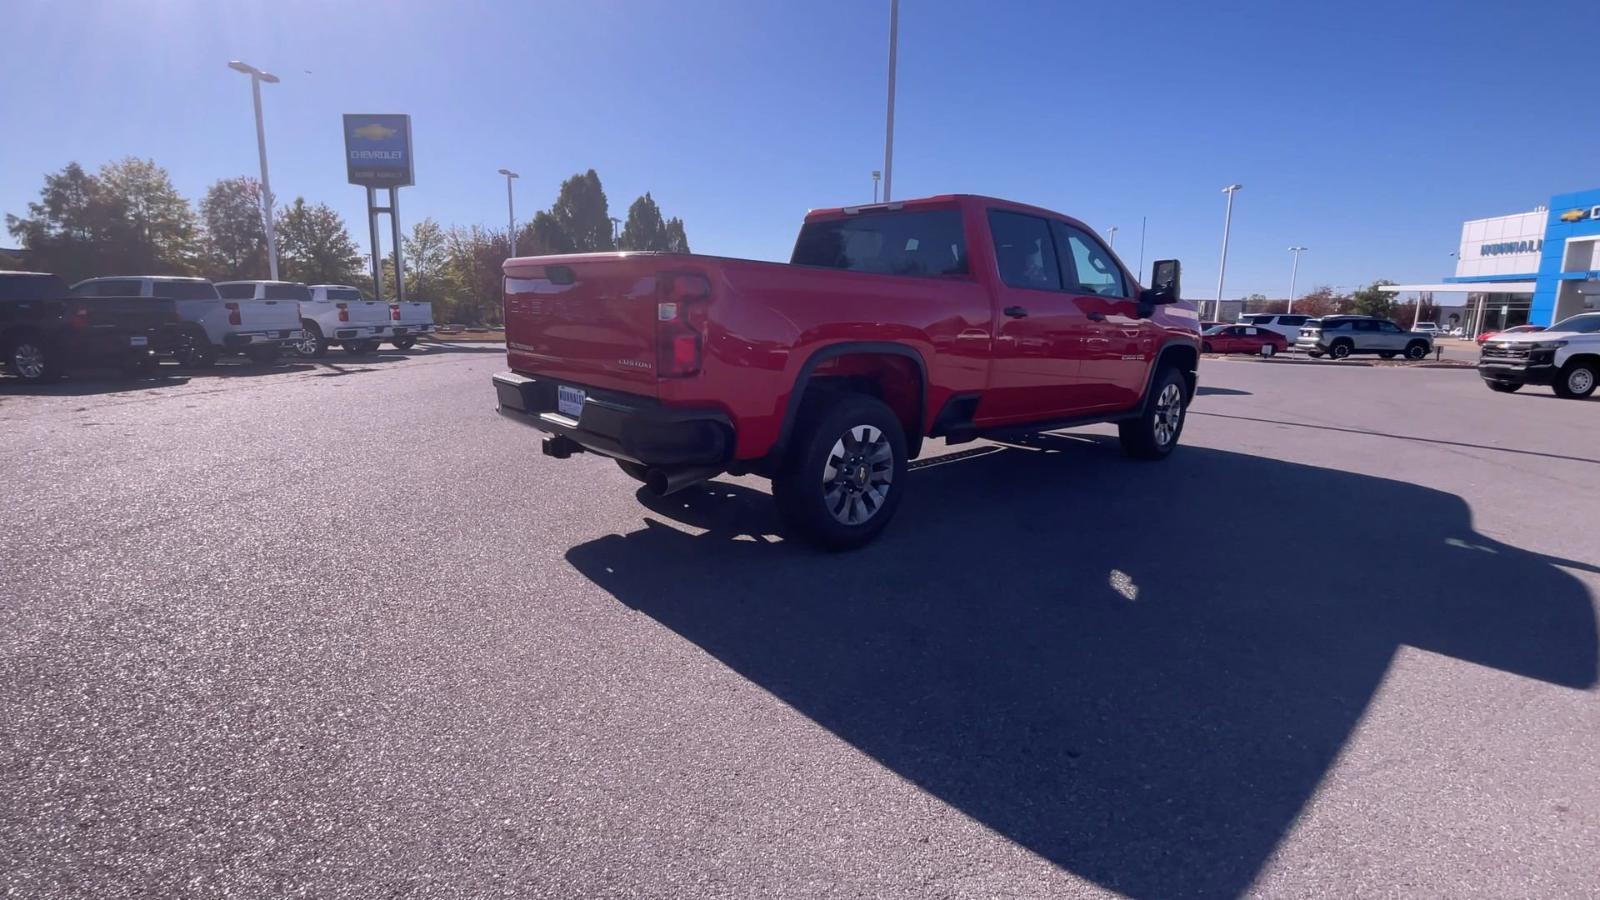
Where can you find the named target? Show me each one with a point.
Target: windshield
(1588, 323)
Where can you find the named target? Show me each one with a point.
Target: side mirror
(1164, 286)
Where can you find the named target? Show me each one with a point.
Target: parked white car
(409, 321)
(1287, 325)
(211, 326)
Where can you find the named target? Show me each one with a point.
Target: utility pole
(511, 213)
(888, 135)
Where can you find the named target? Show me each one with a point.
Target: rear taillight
(394, 312)
(233, 314)
(80, 318)
(344, 311)
(681, 302)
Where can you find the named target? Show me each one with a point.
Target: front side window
(928, 242)
(1388, 328)
(1364, 325)
(1024, 252)
(1092, 270)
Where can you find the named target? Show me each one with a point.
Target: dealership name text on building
(1504, 247)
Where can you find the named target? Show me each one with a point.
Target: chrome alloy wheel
(1169, 414)
(27, 360)
(858, 473)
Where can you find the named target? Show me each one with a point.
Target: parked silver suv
(1340, 336)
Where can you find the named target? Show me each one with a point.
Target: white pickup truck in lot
(409, 321)
(328, 314)
(210, 325)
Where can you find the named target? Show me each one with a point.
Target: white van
(1287, 325)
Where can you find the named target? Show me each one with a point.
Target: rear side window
(1024, 251)
(184, 290)
(925, 242)
(343, 294)
(288, 292)
(236, 291)
(115, 287)
(31, 287)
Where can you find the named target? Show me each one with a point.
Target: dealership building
(1534, 267)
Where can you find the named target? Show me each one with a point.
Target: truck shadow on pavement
(1060, 643)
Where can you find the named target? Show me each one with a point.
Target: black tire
(636, 471)
(1417, 350)
(1314, 354)
(854, 507)
(32, 359)
(1154, 434)
(195, 355)
(1205, 347)
(1387, 354)
(315, 346)
(360, 347)
(1503, 387)
(1341, 349)
(263, 355)
(404, 343)
(1577, 380)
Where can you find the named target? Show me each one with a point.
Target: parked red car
(1515, 329)
(953, 316)
(1242, 339)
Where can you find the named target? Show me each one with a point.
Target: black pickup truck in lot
(43, 331)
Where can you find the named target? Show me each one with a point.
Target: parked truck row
(132, 322)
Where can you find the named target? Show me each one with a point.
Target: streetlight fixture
(256, 77)
(1227, 224)
(888, 133)
(511, 213)
(1112, 233)
(875, 176)
(1294, 272)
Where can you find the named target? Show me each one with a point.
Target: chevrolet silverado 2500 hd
(953, 316)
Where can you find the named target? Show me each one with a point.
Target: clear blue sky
(1366, 131)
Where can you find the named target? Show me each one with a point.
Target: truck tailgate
(366, 312)
(413, 312)
(588, 318)
(267, 315)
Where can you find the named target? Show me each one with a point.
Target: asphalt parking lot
(337, 630)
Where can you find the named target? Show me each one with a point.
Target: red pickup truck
(954, 316)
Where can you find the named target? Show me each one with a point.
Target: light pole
(256, 77)
(511, 212)
(616, 231)
(1227, 224)
(1294, 272)
(1112, 232)
(888, 134)
(875, 176)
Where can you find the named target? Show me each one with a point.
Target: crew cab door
(1039, 330)
(1119, 342)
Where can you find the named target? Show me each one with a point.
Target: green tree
(157, 233)
(543, 236)
(427, 261)
(1369, 301)
(67, 228)
(315, 245)
(236, 241)
(581, 213)
(677, 241)
(644, 229)
(475, 256)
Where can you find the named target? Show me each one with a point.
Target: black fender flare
(791, 412)
(1163, 358)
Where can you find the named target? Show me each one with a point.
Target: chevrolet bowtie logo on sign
(377, 150)
(1578, 215)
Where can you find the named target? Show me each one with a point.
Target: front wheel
(1155, 433)
(1416, 350)
(841, 481)
(1577, 380)
(1503, 387)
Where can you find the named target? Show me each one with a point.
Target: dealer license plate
(569, 401)
(138, 342)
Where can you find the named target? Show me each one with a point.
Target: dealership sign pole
(377, 152)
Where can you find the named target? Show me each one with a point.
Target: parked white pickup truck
(337, 313)
(210, 326)
(409, 321)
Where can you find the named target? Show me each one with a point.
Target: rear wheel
(404, 343)
(841, 481)
(1503, 387)
(32, 360)
(1155, 433)
(195, 355)
(636, 471)
(359, 347)
(1577, 380)
(1340, 349)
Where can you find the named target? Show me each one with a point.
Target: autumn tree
(315, 245)
(235, 238)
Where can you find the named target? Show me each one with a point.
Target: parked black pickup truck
(43, 331)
